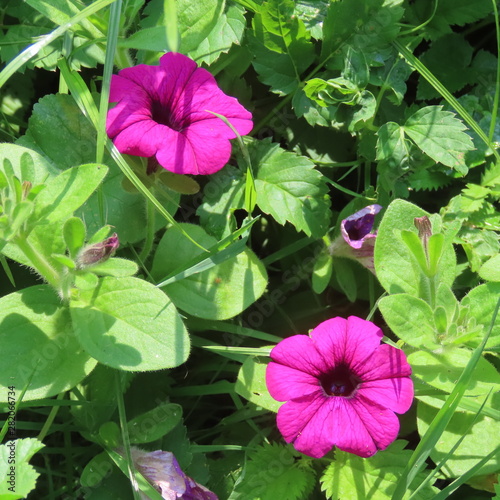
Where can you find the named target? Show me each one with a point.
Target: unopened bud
(423, 224)
(98, 252)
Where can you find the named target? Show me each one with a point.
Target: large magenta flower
(165, 112)
(341, 386)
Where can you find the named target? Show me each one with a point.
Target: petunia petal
(366, 427)
(300, 353)
(386, 362)
(350, 341)
(142, 138)
(307, 422)
(395, 394)
(286, 383)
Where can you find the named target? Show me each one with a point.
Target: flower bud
(98, 252)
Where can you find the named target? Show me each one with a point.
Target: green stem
(39, 262)
(150, 231)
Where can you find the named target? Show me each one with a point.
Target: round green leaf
(128, 323)
(37, 340)
(220, 292)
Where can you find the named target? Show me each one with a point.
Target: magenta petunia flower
(165, 112)
(341, 387)
(357, 241)
(162, 470)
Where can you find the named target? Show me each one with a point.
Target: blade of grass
(440, 422)
(494, 110)
(31, 51)
(170, 22)
(83, 98)
(447, 96)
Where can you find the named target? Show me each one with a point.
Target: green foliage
(18, 452)
(217, 293)
(275, 471)
(109, 325)
(289, 188)
(349, 476)
(46, 358)
(281, 46)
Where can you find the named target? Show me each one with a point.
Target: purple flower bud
(98, 252)
(162, 470)
(357, 240)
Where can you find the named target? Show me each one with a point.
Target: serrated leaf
(290, 189)
(369, 26)
(18, 477)
(375, 478)
(281, 46)
(274, 471)
(440, 135)
(228, 31)
(448, 59)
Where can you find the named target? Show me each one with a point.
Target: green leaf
(442, 370)
(222, 195)
(119, 268)
(195, 21)
(27, 164)
(18, 477)
(45, 348)
(228, 31)
(490, 270)
(221, 292)
(448, 58)
(251, 384)
(411, 319)
(369, 26)
(281, 46)
(479, 441)
(74, 234)
(349, 476)
(154, 424)
(67, 192)
(58, 130)
(322, 272)
(274, 471)
(129, 324)
(481, 302)
(289, 188)
(396, 268)
(440, 135)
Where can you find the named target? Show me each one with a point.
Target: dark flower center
(161, 114)
(341, 381)
(359, 228)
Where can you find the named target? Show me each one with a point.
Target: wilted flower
(341, 387)
(357, 240)
(98, 252)
(162, 470)
(165, 113)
